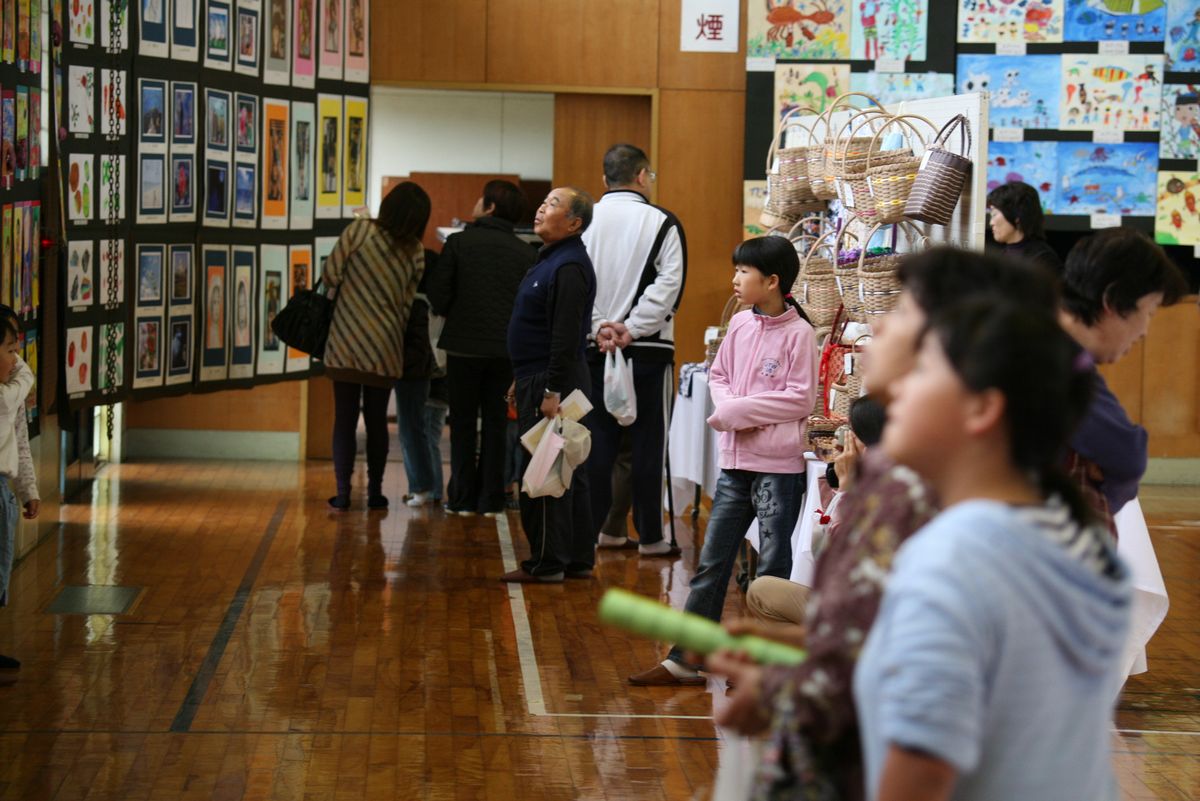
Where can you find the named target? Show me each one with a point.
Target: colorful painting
(1182, 44)
(179, 364)
(811, 85)
(246, 62)
(1106, 179)
(299, 277)
(357, 31)
(897, 87)
(275, 163)
(272, 268)
(995, 21)
(1103, 92)
(35, 132)
(329, 156)
(1024, 89)
(889, 29)
(304, 50)
(112, 102)
(112, 171)
(354, 168)
(81, 188)
(148, 366)
(1180, 122)
(112, 272)
(181, 275)
(302, 165)
(1177, 219)
(117, 379)
(81, 100)
(83, 22)
(798, 29)
(1115, 20)
(78, 359)
(1034, 163)
(329, 27)
(80, 256)
(754, 196)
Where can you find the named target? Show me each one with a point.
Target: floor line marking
(1157, 731)
(531, 678)
(216, 650)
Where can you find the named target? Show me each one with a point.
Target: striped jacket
(376, 283)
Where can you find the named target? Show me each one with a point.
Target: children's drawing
(1034, 163)
(82, 100)
(1182, 44)
(889, 29)
(812, 85)
(83, 21)
(1113, 20)
(810, 29)
(1177, 221)
(1024, 89)
(754, 195)
(1106, 179)
(118, 376)
(1008, 21)
(79, 273)
(896, 87)
(1180, 137)
(1120, 93)
(80, 186)
(78, 359)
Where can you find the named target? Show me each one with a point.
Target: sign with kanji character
(709, 26)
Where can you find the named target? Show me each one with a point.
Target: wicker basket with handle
(816, 288)
(940, 180)
(789, 194)
(846, 272)
(850, 160)
(840, 141)
(879, 284)
(891, 173)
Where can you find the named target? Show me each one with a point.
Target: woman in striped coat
(373, 272)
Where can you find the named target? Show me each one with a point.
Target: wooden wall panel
(1171, 383)
(452, 194)
(585, 126)
(679, 70)
(271, 407)
(579, 43)
(318, 443)
(429, 40)
(700, 179)
(1125, 380)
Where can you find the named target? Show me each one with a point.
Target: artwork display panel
(275, 163)
(329, 156)
(152, 188)
(180, 349)
(150, 263)
(1034, 163)
(1024, 90)
(81, 258)
(1106, 179)
(1107, 92)
(272, 283)
(182, 261)
(803, 29)
(185, 45)
(246, 54)
(1177, 217)
(152, 114)
(77, 359)
(218, 45)
(183, 116)
(1115, 20)
(148, 361)
(183, 188)
(304, 44)
(81, 29)
(81, 176)
(81, 100)
(354, 168)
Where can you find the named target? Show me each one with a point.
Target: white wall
(447, 131)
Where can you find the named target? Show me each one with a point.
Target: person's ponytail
(1053, 480)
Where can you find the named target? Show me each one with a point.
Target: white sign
(1008, 134)
(1108, 136)
(1115, 48)
(889, 65)
(709, 26)
(760, 64)
(1105, 221)
(1010, 48)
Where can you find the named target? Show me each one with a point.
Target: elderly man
(547, 337)
(641, 262)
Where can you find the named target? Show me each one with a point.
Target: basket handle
(964, 134)
(869, 116)
(903, 121)
(910, 227)
(783, 124)
(791, 234)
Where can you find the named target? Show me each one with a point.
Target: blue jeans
(435, 421)
(411, 395)
(777, 500)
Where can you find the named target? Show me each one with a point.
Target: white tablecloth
(692, 446)
(1149, 592)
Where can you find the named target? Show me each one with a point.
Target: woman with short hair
(1017, 223)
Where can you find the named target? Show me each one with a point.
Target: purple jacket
(1117, 445)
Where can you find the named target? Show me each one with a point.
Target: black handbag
(304, 322)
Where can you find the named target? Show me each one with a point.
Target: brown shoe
(659, 676)
(519, 576)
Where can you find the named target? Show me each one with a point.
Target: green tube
(657, 621)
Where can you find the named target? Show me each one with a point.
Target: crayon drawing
(1106, 179)
(1115, 20)
(1180, 135)
(896, 87)
(1121, 93)
(1034, 163)
(1024, 89)
(808, 29)
(1177, 219)
(889, 29)
(995, 21)
(1182, 43)
(811, 85)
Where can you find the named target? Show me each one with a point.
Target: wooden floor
(279, 651)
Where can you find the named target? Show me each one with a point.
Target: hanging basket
(890, 180)
(851, 154)
(849, 147)
(789, 194)
(846, 272)
(940, 180)
(879, 284)
(816, 288)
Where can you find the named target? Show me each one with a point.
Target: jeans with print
(776, 499)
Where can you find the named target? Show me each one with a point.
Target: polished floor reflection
(277, 650)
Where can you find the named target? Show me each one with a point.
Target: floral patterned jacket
(814, 750)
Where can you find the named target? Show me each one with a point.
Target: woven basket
(788, 192)
(774, 214)
(891, 173)
(844, 394)
(822, 437)
(879, 284)
(940, 180)
(816, 287)
(846, 273)
(847, 162)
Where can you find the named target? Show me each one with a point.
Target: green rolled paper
(658, 621)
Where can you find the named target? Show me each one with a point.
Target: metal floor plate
(94, 600)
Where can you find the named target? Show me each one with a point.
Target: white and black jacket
(640, 256)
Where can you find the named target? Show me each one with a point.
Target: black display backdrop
(137, 364)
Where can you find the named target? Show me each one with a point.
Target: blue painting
(1182, 44)
(1106, 179)
(1112, 20)
(1034, 163)
(1180, 136)
(1024, 89)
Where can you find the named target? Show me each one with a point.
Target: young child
(16, 465)
(990, 670)
(762, 385)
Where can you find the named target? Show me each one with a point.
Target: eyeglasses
(651, 176)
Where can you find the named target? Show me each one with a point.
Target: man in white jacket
(640, 256)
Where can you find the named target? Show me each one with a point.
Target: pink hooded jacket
(762, 385)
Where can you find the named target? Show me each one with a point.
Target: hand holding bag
(619, 396)
(304, 322)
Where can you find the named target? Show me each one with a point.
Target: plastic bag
(562, 446)
(619, 396)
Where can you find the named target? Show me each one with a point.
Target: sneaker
(450, 510)
(493, 515)
(417, 499)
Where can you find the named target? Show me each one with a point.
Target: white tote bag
(619, 397)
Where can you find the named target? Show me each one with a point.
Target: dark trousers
(348, 400)
(476, 389)
(559, 530)
(648, 434)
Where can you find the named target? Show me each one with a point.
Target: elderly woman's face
(553, 220)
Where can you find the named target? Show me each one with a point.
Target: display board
(181, 163)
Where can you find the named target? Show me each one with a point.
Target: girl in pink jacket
(762, 385)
